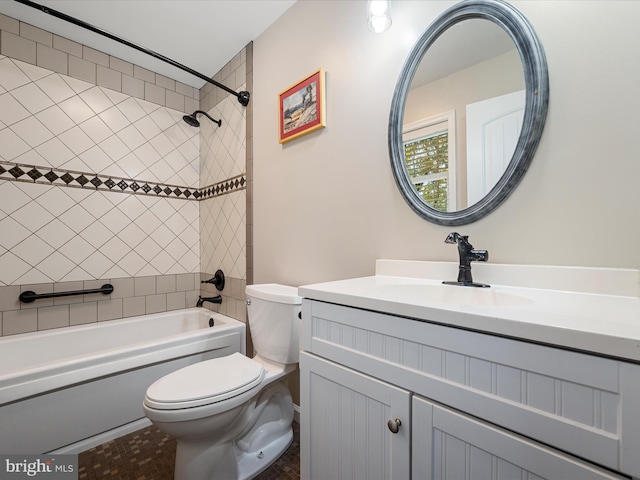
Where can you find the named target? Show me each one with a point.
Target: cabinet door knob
(394, 425)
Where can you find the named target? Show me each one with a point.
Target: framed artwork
(302, 107)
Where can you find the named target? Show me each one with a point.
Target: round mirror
(468, 112)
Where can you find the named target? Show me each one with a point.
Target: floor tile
(149, 454)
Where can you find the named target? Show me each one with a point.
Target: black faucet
(467, 255)
(201, 300)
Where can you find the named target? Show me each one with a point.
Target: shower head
(193, 121)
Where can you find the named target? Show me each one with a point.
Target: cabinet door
(344, 424)
(453, 446)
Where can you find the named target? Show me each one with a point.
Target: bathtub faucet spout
(216, 299)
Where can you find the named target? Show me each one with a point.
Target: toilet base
(235, 444)
(231, 464)
(254, 463)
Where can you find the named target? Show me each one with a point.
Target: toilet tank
(273, 310)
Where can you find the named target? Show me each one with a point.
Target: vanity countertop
(606, 324)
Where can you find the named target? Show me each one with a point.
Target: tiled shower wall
(223, 218)
(99, 184)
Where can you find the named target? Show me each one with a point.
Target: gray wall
(326, 205)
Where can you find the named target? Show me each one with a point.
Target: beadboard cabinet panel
(569, 400)
(344, 432)
(448, 445)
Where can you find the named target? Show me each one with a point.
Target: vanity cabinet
(348, 415)
(470, 404)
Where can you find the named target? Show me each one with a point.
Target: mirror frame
(536, 103)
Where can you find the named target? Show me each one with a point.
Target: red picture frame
(302, 107)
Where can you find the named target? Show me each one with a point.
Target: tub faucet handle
(217, 280)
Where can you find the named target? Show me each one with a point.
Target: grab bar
(30, 296)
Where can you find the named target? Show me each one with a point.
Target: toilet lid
(205, 382)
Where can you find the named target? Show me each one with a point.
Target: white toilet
(231, 416)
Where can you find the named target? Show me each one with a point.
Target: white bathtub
(69, 389)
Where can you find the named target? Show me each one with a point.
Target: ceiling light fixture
(378, 15)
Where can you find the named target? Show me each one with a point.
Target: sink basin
(450, 294)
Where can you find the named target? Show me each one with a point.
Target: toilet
(231, 416)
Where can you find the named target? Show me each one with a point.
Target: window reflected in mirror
(430, 161)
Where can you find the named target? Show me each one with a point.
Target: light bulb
(378, 15)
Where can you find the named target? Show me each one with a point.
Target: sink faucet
(467, 255)
(201, 300)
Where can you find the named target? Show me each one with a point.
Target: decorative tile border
(16, 172)
(229, 185)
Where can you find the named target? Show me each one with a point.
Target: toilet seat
(205, 383)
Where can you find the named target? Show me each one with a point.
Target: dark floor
(149, 454)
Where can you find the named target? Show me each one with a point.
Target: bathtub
(69, 389)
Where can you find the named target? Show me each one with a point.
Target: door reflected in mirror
(463, 114)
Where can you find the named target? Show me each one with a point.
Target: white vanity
(403, 377)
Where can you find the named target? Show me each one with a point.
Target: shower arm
(243, 97)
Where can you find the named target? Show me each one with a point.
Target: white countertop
(606, 324)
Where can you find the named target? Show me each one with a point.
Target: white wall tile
(76, 84)
(131, 137)
(76, 140)
(114, 148)
(76, 109)
(12, 145)
(131, 110)
(55, 201)
(32, 217)
(77, 218)
(114, 119)
(32, 131)
(55, 233)
(12, 197)
(11, 111)
(32, 98)
(55, 152)
(96, 99)
(34, 72)
(167, 264)
(55, 120)
(96, 234)
(147, 127)
(55, 87)
(147, 155)
(56, 266)
(12, 233)
(11, 76)
(75, 275)
(33, 250)
(77, 249)
(96, 129)
(163, 118)
(96, 264)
